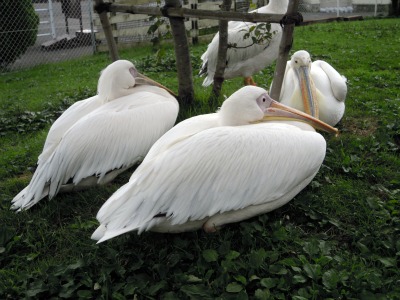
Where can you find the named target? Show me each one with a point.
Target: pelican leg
(249, 81)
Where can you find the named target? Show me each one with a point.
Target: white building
(345, 6)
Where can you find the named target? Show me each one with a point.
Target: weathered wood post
(194, 33)
(183, 63)
(222, 49)
(105, 23)
(284, 48)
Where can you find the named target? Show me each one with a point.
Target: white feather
(108, 132)
(203, 168)
(245, 60)
(331, 89)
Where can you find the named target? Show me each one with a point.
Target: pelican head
(252, 104)
(118, 79)
(301, 63)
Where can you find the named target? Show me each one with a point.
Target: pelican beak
(308, 92)
(278, 111)
(144, 80)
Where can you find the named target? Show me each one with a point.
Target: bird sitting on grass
(251, 157)
(98, 138)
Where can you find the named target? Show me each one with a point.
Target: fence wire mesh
(34, 32)
(61, 30)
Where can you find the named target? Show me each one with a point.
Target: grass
(338, 239)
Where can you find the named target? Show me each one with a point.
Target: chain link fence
(34, 32)
(62, 30)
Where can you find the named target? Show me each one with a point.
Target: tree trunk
(222, 48)
(284, 48)
(183, 63)
(395, 9)
(105, 23)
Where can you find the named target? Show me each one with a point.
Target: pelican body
(252, 156)
(246, 58)
(314, 87)
(98, 138)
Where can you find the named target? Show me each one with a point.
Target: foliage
(259, 34)
(162, 60)
(338, 239)
(21, 122)
(18, 29)
(156, 29)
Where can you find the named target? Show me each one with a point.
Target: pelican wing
(337, 82)
(243, 58)
(211, 172)
(116, 135)
(68, 118)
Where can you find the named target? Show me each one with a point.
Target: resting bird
(98, 138)
(247, 58)
(314, 87)
(219, 168)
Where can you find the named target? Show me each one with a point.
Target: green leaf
(330, 279)
(193, 279)
(234, 287)
(290, 262)
(117, 296)
(372, 203)
(76, 265)
(312, 247)
(129, 289)
(257, 257)
(35, 288)
(302, 294)
(388, 261)
(84, 294)
(196, 291)
(232, 255)
(268, 282)
(277, 269)
(156, 287)
(32, 256)
(299, 298)
(241, 279)
(210, 255)
(280, 234)
(299, 279)
(312, 271)
(262, 294)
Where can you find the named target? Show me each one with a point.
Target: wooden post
(195, 24)
(183, 64)
(222, 49)
(284, 48)
(105, 23)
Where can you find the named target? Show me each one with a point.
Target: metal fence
(69, 29)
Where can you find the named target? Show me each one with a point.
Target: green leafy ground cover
(338, 239)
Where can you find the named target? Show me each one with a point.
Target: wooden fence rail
(174, 11)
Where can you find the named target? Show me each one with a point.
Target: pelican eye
(295, 61)
(264, 99)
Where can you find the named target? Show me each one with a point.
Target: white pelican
(314, 87)
(219, 168)
(245, 60)
(98, 138)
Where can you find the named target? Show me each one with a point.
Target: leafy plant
(259, 34)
